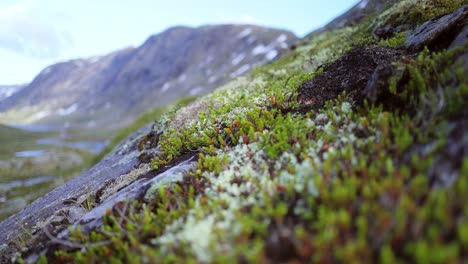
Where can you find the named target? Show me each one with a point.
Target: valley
(34, 160)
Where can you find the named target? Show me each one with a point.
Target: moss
(415, 12)
(395, 41)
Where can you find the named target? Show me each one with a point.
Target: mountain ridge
(127, 82)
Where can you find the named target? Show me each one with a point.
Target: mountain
(8, 90)
(114, 88)
(363, 10)
(352, 148)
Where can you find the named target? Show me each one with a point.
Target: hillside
(9, 90)
(113, 89)
(14, 140)
(351, 148)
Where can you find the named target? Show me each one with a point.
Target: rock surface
(70, 197)
(433, 31)
(84, 200)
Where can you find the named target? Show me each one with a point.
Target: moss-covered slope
(352, 148)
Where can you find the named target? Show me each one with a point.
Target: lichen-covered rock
(440, 32)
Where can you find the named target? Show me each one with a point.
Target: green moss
(414, 12)
(398, 40)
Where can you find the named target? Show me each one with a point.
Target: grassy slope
(350, 182)
(14, 140)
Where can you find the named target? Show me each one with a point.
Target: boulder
(438, 33)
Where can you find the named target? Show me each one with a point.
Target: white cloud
(26, 31)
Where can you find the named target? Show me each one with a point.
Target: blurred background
(76, 77)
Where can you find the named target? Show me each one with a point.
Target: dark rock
(386, 32)
(280, 245)
(360, 73)
(438, 33)
(378, 82)
(461, 40)
(447, 164)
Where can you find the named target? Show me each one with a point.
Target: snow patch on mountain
(7, 91)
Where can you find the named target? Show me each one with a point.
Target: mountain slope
(9, 90)
(115, 88)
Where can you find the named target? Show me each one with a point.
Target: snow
(269, 51)
(251, 39)
(68, 110)
(363, 4)
(94, 59)
(271, 54)
(245, 33)
(79, 63)
(196, 90)
(165, 87)
(282, 38)
(182, 78)
(40, 114)
(8, 91)
(238, 59)
(243, 69)
(282, 41)
(46, 71)
(260, 49)
(209, 59)
(212, 79)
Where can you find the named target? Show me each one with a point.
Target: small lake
(36, 127)
(91, 146)
(30, 153)
(26, 183)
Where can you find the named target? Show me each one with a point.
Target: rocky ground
(352, 148)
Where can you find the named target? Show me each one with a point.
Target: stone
(461, 40)
(436, 33)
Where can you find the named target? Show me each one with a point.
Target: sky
(38, 33)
